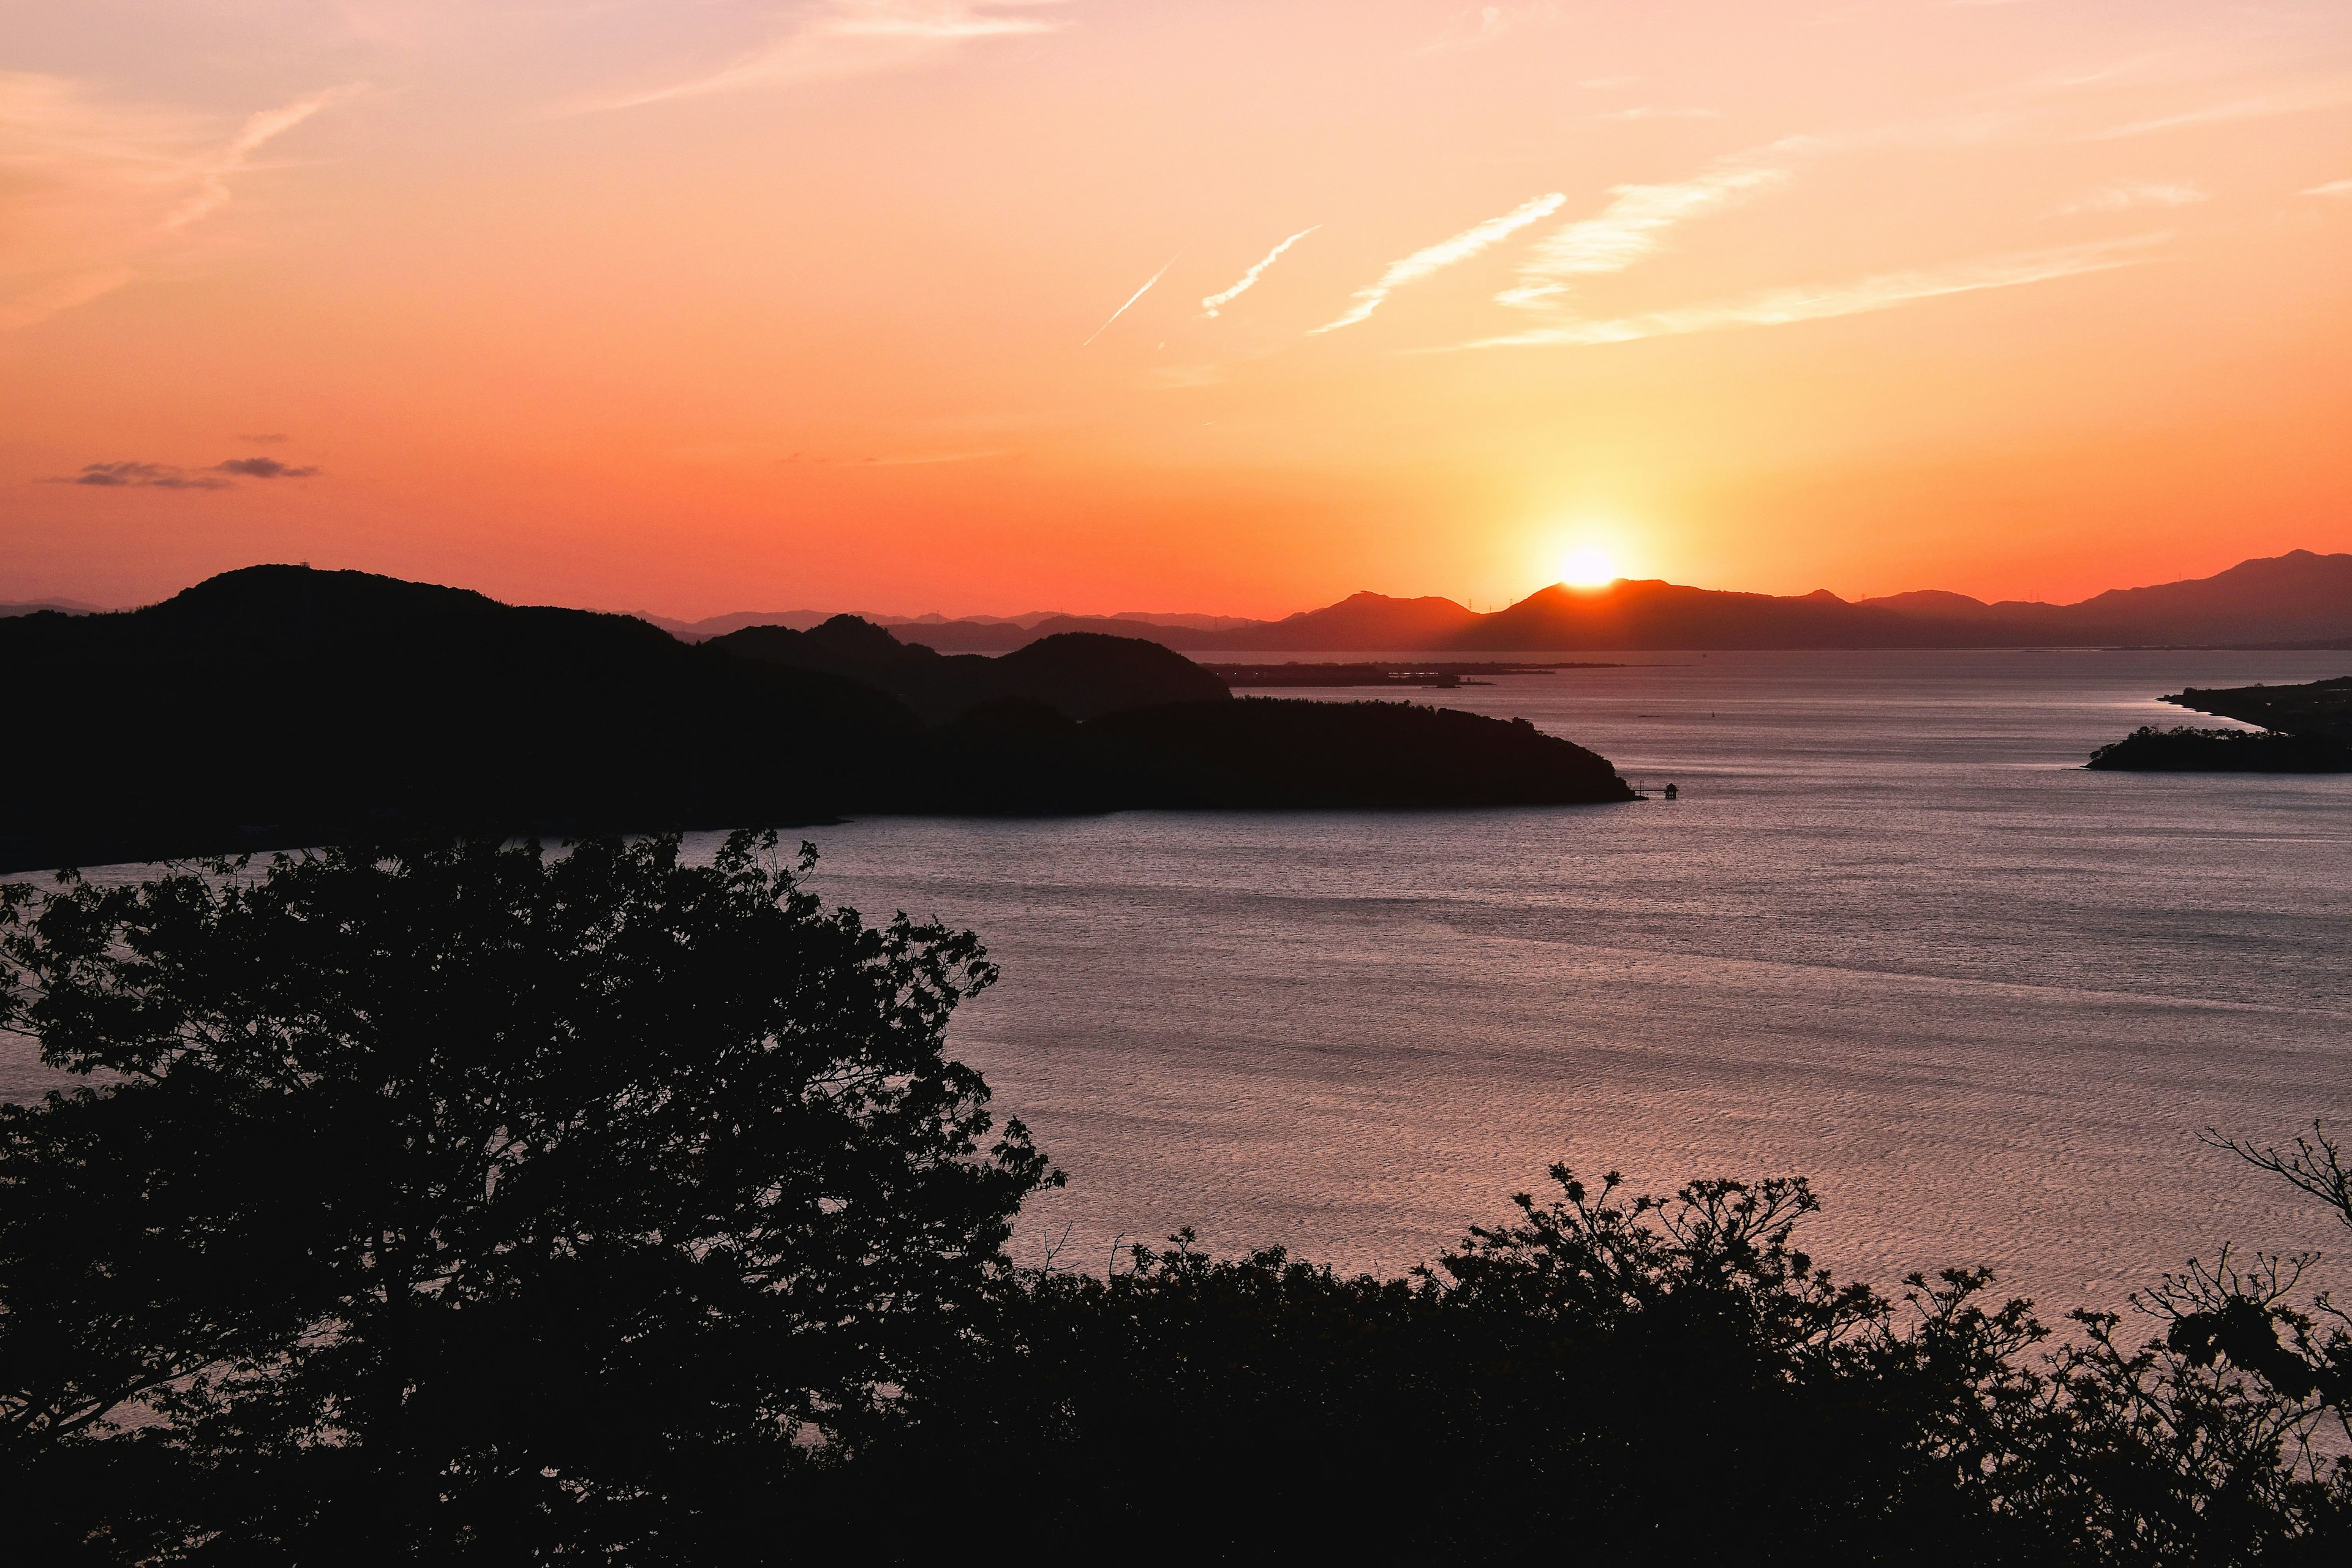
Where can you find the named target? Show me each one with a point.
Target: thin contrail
(1815, 302)
(1139, 294)
(1215, 302)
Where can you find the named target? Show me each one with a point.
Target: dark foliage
(472, 1203)
(2248, 1316)
(1653, 1380)
(2187, 750)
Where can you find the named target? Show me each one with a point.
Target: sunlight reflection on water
(1892, 936)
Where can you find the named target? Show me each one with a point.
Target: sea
(1890, 937)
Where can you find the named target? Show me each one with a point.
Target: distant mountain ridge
(2297, 599)
(35, 606)
(2300, 599)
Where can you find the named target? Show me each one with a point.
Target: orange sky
(700, 307)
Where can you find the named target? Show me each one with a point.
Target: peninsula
(277, 706)
(2306, 729)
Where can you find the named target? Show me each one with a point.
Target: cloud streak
(2140, 194)
(2333, 188)
(1485, 25)
(2301, 101)
(1661, 112)
(1216, 302)
(212, 193)
(1420, 264)
(855, 38)
(142, 476)
(263, 468)
(1631, 226)
(1882, 291)
(99, 193)
(1131, 299)
(172, 476)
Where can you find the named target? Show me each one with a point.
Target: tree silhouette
(475, 1201)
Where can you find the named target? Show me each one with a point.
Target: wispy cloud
(1445, 254)
(172, 476)
(1883, 291)
(1131, 299)
(2140, 194)
(2333, 188)
(142, 476)
(1660, 112)
(1631, 226)
(1216, 302)
(2300, 100)
(39, 301)
(1483, 24)
(263, 468)
(212, 191)
(100, 192)
(928, 460)
(853, 38)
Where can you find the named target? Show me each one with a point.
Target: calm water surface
(1891, 936)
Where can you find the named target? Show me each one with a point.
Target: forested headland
(2306, 729)
(279, 706)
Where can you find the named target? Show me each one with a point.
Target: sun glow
(1588, 566)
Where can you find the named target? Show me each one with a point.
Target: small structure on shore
(1672, 793)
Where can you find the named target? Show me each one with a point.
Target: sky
(1236, 306)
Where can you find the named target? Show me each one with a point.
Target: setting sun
(1588, 566)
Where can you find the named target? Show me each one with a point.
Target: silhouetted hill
(1936, 604)
(282, 705)
(2279, 598)
(1659, 615)
(1085, 675)
(1369, 622)
(1363, 622)
(2298, 597)
(719, 625)
(1079, 675)
(1003, 636)
(278, 706)
(2295, 597)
